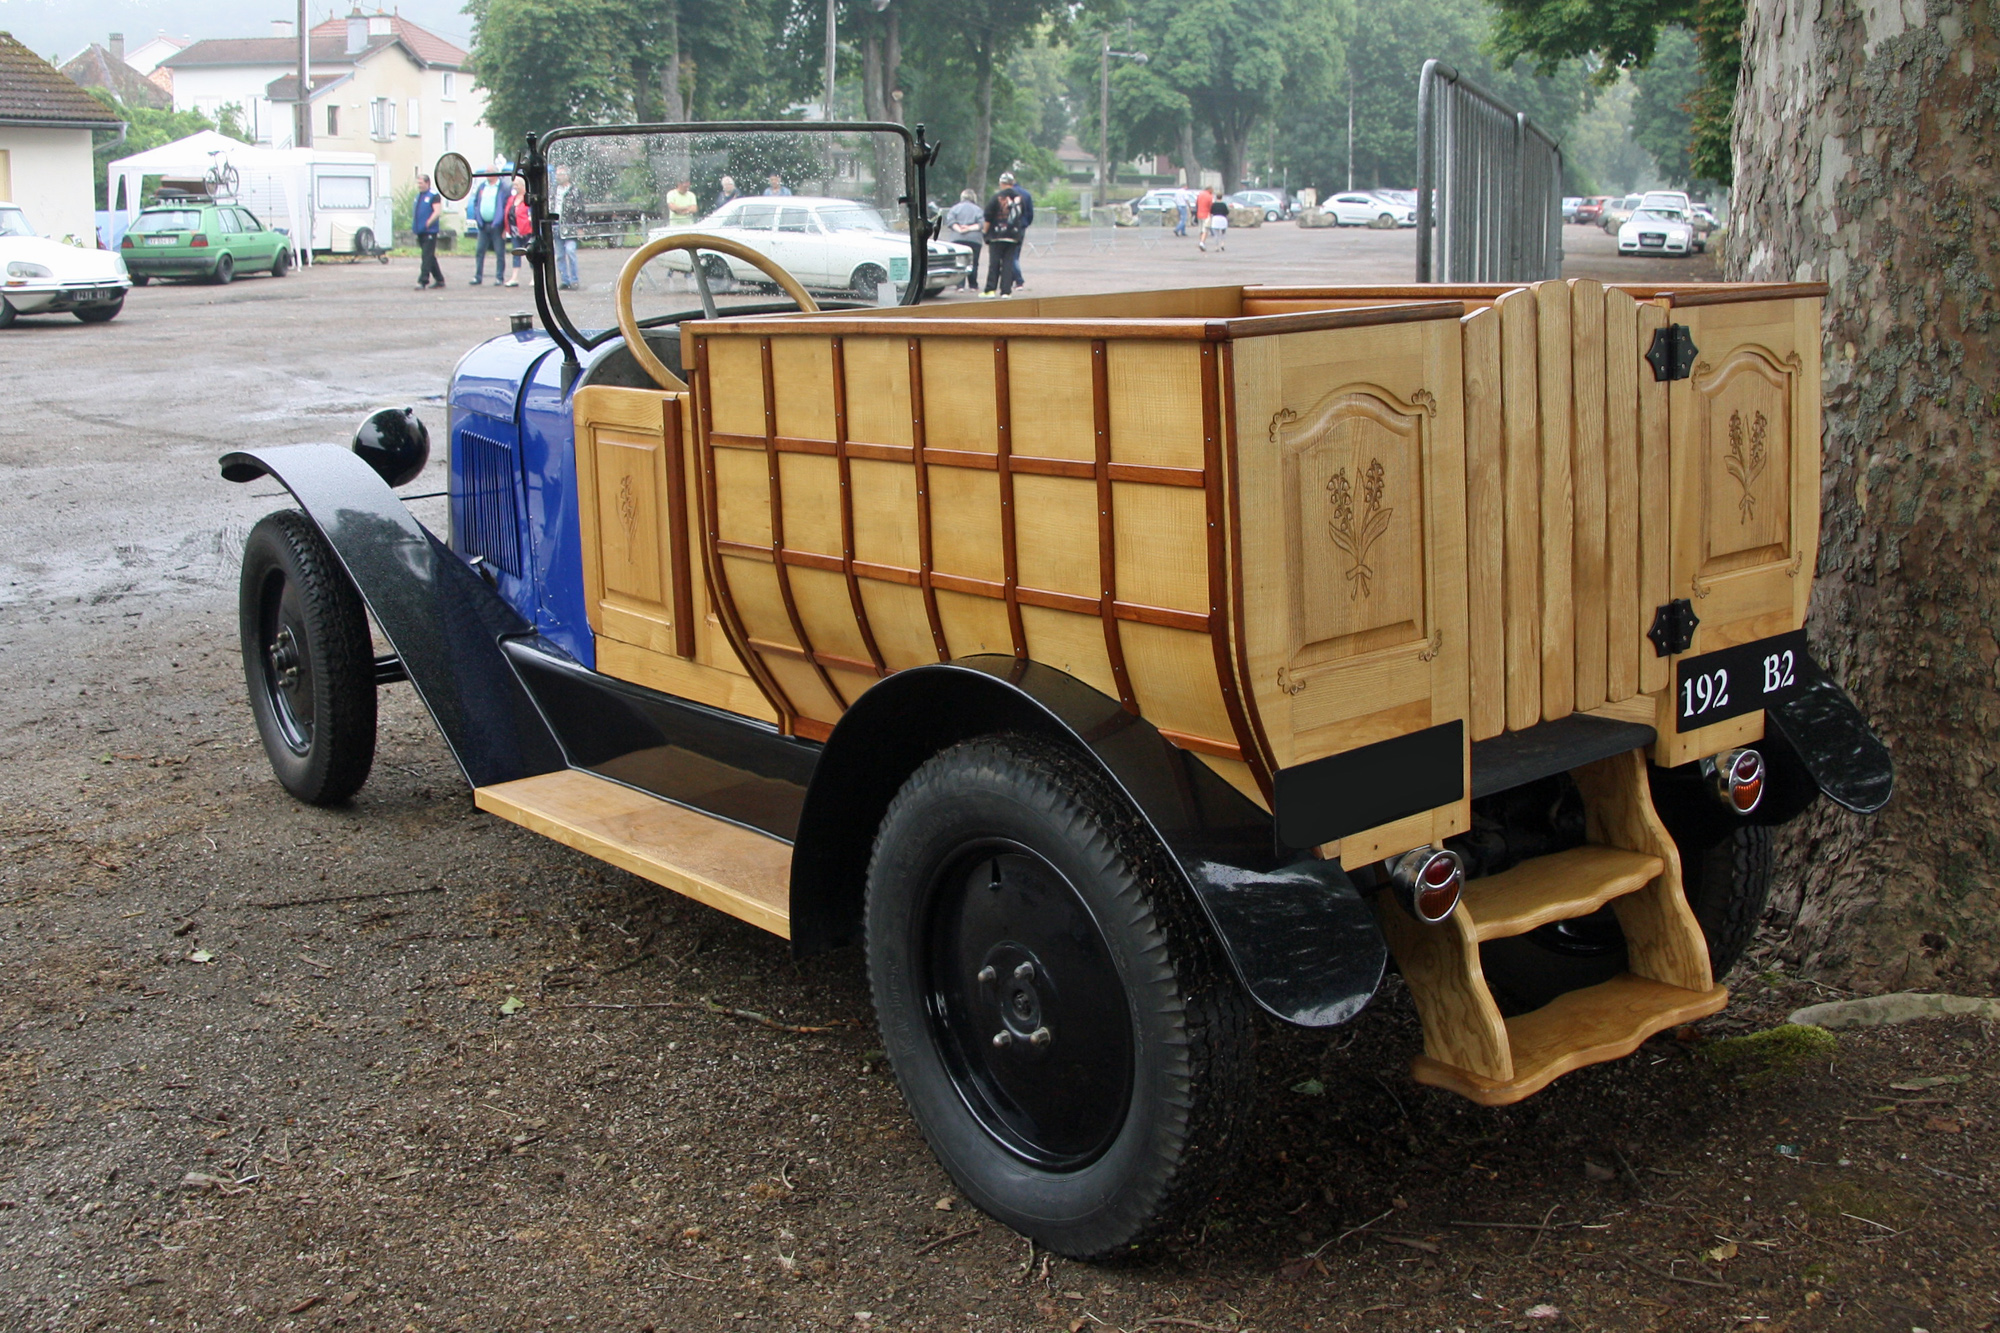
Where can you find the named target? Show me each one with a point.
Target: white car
(1354, 209)
(44, 277)
(829, 245)
(1656, 231)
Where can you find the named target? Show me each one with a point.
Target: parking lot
(403, 1066)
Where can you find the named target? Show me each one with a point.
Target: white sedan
(44, 277)
(1367, 210)
(829, 245)
(1656, 232)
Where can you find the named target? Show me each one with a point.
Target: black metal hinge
(1672, 353)
(1673, 627)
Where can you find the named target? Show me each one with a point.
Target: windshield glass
(1655, 215)
(13, 222)
(176, 219)
(613, 191)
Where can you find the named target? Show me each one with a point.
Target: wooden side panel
(1485, 524)
(1557, 501)
(1806, 336)
(1625, 621)
(1655, 494)
(1522, 481)
(1052, 408)
(958, 394)
(1589, 553)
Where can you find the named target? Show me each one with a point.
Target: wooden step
(742, 872)
(1602, 1022)
(1556, 887)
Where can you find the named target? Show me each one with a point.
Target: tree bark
(1864, 158)
(982, 150)
(670, 70)
(1184, 157)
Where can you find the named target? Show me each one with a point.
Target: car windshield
(13, 222)
(1655, 215)
(172, 219)
(852, 217)
(615, 189)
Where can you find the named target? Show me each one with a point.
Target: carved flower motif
(1746, 467)
(1356, 541)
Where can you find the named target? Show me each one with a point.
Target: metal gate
(1489, 186)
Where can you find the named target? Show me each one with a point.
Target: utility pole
(1104, 116)
(832, 43)
(1350, 129)
(302, 124)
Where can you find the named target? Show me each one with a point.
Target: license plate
(162, 240)
(899, 269)
(1733, 681)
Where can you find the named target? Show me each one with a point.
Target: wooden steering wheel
(628, 323)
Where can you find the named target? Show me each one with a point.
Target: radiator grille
(485, 520)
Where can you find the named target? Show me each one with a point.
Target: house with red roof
(46, 124)
(380, 84)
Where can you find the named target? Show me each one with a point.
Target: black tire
(101, 313)
(282, 264)
(7, 313)
(867, 282)
(1383, 221)
(364, 241)
(307, 660)
(225, 270)
(141, 279)
(1013, 891)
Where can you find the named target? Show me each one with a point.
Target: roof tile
(31, 89)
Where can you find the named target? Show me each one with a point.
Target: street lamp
(1104, 116)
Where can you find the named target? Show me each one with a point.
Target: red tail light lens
(1737, 779)
(125, 244)
(199, 242)
(1428, 882)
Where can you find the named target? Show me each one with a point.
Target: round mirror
(453, 176)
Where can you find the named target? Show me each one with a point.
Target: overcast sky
(61, 28)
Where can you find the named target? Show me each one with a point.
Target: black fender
(444, 623)
(1298, 933)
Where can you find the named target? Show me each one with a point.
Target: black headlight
(395, 442)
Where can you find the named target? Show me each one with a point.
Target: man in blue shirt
(424, 222)
(486, 210)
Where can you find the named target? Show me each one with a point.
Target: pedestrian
(728, 192)
(1027, 221)
(1004, 230)
(681, 205)
(965, 224)
(568, 200)
(517, 226)
(1183, 205)
(485, 210)
(775, 184)
(1204, 208)
(1218, 225)
(424, 222)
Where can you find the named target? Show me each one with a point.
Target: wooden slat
(1259, 756)
(1218, 551)
(778, 528)
(846, 469)
(1589, 550)
(1107, 541)
(924, 499)
(1655, 494)
(1558, 509)
(1521, 477)
(1625, 628)
(1000, 322)
(1555, 887)
(1010, 550)
(745, 874)
(1485, 536)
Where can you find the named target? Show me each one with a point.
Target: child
(1218, 227)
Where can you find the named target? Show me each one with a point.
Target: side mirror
(395, 442)
(453, 176)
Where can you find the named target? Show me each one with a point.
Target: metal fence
(1489, 186)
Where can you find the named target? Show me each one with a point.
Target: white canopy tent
(267, 178)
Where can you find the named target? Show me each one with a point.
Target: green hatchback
(202, 240)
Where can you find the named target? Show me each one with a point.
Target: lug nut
(987, 976)
(1002, 1039)
(1025, 972)
(1041, 1037)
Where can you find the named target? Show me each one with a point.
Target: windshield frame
(534, 166)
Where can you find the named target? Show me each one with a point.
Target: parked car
(1656, 232)
(189, 238)
(1674, 200)
(1616, 211)
(1275, 205)
(1155, 201)
(1570, 204)
(828, 244)
(39, 276)
(1591, 210)
(1354, 209)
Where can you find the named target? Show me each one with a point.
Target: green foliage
(1759, 1057)
(1599, 150)
(147, 128)
(1663, 102)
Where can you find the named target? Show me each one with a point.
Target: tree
(1663, 104)
(146, 127)
(1864, 159)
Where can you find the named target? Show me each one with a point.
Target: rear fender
(1298, 934)
(443, 621)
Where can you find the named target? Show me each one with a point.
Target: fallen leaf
(1311, 1087)
(1296, 1270)
(201, 1180)
(942, 1205)
(512, 1005)
(1724, 1252)
(1542, 1312)
(305, 1305)
(201, 956)
(1597, 1172)
(1934, 1081)
(1937, 1124)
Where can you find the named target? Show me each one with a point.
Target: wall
(392, 74)
(209, 90)
(52, 179)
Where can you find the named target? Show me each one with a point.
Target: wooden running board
(744, 873)
(1629, 862)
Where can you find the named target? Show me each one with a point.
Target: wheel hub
(1014, 985)
(284, 653)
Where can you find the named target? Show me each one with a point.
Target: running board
(741, 872)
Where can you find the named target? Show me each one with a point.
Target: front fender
(1298, 934)
(440, 617)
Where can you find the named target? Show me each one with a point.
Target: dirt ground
(401, 1066)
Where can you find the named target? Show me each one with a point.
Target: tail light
(125, 244)
(1737, 779)
(199, 243)
(1427, 882)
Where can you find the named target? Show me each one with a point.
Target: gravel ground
(401, 1066)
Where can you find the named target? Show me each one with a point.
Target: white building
(46, 123)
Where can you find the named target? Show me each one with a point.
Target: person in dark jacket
(424, 222)
(1027, 221)
(1004, 229)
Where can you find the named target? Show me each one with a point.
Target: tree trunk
(1864, 158)
(670, 70)
(1184, 157)
(871, 75)
(982, 148)
(892, 67)
(1232, 149)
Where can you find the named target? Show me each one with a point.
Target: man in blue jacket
(1027, 220)
(486, 209)
(424, 222)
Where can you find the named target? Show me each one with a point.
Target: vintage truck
(1109, 668)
